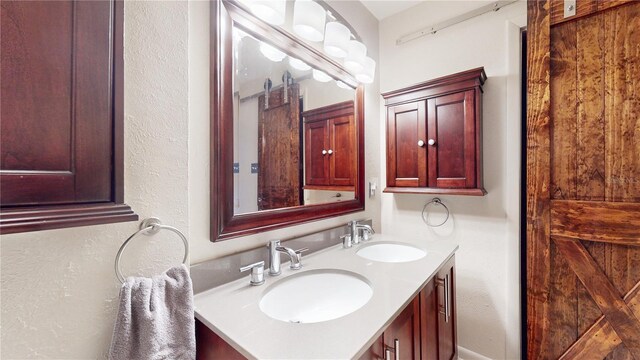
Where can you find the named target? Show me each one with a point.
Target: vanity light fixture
(298, 64)
(321, 76)
(368, 71)
(355, 56)
(271, 53)
(308, 20)
(271, 11)
(336, 39)
(343, 85)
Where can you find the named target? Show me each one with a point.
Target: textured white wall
(202, 248)
(58, 287)
(486, 228)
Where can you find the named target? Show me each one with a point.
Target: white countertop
(232, 310)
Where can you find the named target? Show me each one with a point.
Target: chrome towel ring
(435, 201)
(150, 227)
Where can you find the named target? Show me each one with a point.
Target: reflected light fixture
(355, 56)
(366, 75)
(321, 76)
(308, 20)
(343, 85)
(271, 53)
(271, 11)
(336, 39)
(298, 64)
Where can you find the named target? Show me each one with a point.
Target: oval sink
(316, 296)
(391, 252)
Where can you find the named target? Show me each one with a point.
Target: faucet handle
(300, 251)
(257, 272)
(346, 241)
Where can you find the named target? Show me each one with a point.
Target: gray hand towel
(155, 319)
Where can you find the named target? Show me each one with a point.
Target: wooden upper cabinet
(434, 136)
(61, 158)
(330, 140)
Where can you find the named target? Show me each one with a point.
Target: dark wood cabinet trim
(48, 216)
(441, 86)
(417, 190)
(56, 217)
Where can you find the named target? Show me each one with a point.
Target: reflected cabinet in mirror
(287, 137)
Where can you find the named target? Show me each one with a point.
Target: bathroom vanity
(409, 312)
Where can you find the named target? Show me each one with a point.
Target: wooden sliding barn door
(583, 184)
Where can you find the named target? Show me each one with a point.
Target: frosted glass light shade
(271, 53)
(343, 85)
(299, 64)
(271, 11)
(336, 39)
(308, 20)
(355, 57)
(321, 76)
(368, 70)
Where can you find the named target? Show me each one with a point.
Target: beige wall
(59, 289)
(486, 228)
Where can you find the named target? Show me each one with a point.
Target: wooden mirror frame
(224, 224)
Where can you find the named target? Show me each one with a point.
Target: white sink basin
(391, 252)
(315, 296)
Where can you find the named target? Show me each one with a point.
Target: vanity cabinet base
(424, 330)
(210, 346)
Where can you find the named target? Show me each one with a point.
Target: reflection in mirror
(294, 131)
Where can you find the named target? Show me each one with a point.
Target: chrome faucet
(354, 231)
(275, 248)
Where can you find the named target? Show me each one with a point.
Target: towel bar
(150, 227)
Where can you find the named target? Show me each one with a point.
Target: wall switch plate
(569, 8)
(236, 168)
(373, 185)
(254, 168)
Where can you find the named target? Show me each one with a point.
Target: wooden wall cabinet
(434, 136)
(329, 150)
(61, 159)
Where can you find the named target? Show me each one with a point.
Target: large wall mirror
(287, 136)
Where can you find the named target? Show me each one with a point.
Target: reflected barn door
(583, 184)
(279, 150)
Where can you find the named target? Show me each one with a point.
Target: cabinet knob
(420, 143)
(330, 151)
(432, 142)
(324, 152)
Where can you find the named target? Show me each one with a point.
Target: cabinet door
(56, 105)
(452, 145)
(402, 337)
(341, 150)
(406, 159)
(376, 351)
(447, 340)
(429, 321)
(316, 147)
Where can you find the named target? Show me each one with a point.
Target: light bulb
(343, 85)
(368, 71)
(271, 11)
(308, 20)
(298, 64)
(336, 39)
(355, 57)
(271, 53)
(321, 76)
